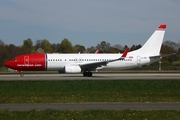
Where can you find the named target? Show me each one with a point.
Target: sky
(88, 22)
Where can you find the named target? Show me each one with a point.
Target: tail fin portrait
(153, 45)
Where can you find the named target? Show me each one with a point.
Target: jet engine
(72, 69)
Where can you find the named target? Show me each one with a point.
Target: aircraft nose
(8, 64)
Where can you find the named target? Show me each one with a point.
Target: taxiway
(92, 106)
(121, 76)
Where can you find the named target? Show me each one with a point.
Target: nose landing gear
(21, 74)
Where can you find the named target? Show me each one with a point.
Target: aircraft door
(80, 60)
(138, 60)
(26, 60)
(76, 60)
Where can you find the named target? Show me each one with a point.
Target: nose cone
(8, 64)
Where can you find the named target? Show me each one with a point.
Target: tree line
(65, 46)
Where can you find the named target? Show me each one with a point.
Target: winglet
(125, 53)
(97, 51)
(162, 27)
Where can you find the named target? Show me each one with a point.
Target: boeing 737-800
(85, 63)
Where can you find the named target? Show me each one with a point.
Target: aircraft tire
(22, 74)
(87, 74)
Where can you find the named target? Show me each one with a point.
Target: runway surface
(130, 76)
(92, 106)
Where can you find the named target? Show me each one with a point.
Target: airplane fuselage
(57, 62)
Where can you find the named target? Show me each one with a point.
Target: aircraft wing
(94, 65)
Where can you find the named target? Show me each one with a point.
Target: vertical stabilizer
(153, 44)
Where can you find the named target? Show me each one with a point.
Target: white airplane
(85, 63)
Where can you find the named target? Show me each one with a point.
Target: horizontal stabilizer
(165, 55)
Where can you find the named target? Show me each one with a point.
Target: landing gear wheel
(22, 74)
(87, 74)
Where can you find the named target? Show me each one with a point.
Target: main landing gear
(87, 74)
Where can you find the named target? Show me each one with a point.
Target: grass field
(89, 91)
(90, 115)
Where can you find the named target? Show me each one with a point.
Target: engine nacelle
(72, 69)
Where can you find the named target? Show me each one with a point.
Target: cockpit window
(15, 59)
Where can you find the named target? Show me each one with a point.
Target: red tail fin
(162, 27)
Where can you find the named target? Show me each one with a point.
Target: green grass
(90, 115)
(89, 91)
